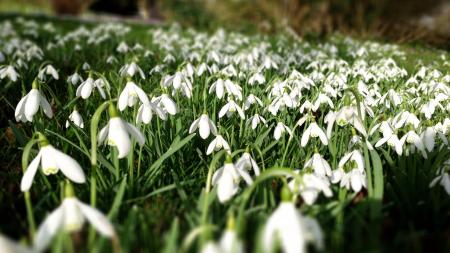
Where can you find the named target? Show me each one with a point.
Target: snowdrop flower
(310, 186)
(217, 144)
(429, 108)
(346, 115)
(390, 138)
(229, 242)
(257, 78)
(131, 69)
(129, 96)
(406, 118)
(205, 126)
(9, 246)
(412, 138)
(145, 113)
(10, 72)
(166, 103)
(179, 82)
(211, 247)
(51, 160)
(231, 107)
(70, 217)
(29, 105)
(280, 129)
(76, 119)
(443, 177)
(319, 165)
(252, 99)
(117, 133)
(288, 227)
(246, 162)
(48, 70)
(314, 131)
(123, 47)
(428, 137)
(74, 79)
(356, 177)
(84, 90)
(321, 100)
(227, 179)
(255, 120)
(220, 87)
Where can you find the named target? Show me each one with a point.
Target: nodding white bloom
(443, 177)
(257, 78)
(319, 165)
(70, 217)
(111, 59)
(230, 243)
(84, 90)
(130, 94)
(146, 110)
(123, 47)
(74, 79)
(322, 99)
(389, 137)
(217, 144)
(131, 69)
(231, 107)
(166, 103)
(75, 118)
(29, 105)
(429, 108)
(10, 72)
(310, 186)
(227, 179)
(405, 118)
(205, 126)
(280, 129)
(202, 68)
(246, 162)
(390, 97)
(252, 99)
(256, 120)
(48, 70)
(314, 131)
(211, 247)
(52, 161)
(179, 81)
(428, 137)
(412, 138)
(117, 133)
(355, 178)
(292, 230)
(346, 115)
(9, 246)
(220, 87)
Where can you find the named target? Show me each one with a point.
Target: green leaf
(118, 199)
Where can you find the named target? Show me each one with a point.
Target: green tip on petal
(286, 194)
(68, 190)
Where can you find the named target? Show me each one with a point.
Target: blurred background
(399, 20)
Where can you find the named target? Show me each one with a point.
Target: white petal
(98, 220)
(136, 133)
(29, 174)
(48, 229)
(46, 107)
(204, 127)
(69, 167)
(118, 137)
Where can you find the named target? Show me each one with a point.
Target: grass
(156, 196)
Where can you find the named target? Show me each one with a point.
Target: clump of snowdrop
(350, 172)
